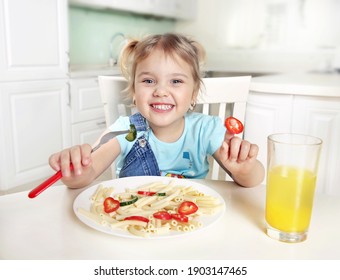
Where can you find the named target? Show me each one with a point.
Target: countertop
(312, 84)
(84, 71)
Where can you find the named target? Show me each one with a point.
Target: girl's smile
(161, 108)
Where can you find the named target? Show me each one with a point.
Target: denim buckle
(142, 142)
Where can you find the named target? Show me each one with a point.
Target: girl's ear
(195, 95)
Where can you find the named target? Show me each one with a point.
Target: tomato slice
(137, 218)
(111, 204)
(162, 215)
(187, 208)
(146, 193)
(233, 125)
(180, 217)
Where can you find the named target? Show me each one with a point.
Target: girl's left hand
(237, 156)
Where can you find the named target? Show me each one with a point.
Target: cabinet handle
(68, 94)
(101, 123)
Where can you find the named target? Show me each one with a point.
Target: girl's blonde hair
(172, 44)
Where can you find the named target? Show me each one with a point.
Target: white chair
(116, 102)
(223, 96)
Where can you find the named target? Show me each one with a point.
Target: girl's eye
(177, 81)
(147, 81)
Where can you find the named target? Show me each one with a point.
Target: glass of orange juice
(292, 166)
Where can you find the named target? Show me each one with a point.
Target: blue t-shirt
(188, 156)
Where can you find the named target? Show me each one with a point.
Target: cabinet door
(266, 114)
(33, 39)
(85, 99)
(87, 132)
(35, 122)
(320, 117)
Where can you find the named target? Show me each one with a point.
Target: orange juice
(289, 201)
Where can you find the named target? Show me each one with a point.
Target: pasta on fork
(151, 209)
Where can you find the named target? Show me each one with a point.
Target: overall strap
(140, 161)
(139, 122)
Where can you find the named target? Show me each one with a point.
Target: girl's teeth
(162, 107)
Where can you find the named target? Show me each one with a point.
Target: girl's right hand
(79, 156)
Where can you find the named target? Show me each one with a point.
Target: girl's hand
(237, 155)
(239, 158)
(79, 156)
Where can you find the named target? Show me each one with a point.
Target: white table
(47, 228)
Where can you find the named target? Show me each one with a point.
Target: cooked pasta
(152, 209)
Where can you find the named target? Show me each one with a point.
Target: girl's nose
(161, 91)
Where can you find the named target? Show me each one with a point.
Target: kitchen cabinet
(87, 132)
(33, 39)
(34, 97)
(301, 103)
(35, 118)
(88, 120)
(177, 9)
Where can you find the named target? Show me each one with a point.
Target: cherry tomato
(111, 204)
(137, 218)
(147, 193)
(180, 218)
(187, 208)
(162, 215)
(233, 125)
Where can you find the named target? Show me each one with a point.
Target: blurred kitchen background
(52, 51)
(258, 36)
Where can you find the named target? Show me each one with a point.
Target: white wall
(267, 35)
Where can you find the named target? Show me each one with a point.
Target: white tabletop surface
(47, 228)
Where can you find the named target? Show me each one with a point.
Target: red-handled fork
(57, 176)
(44, 185)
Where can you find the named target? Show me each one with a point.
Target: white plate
(83, 201)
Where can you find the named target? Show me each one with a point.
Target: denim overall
(140, 161)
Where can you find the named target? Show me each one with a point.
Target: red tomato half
(233, 125)
(111, 204)
(187, 208)
(147, 193)
(162, 215)
(180, 218)
(137, 218)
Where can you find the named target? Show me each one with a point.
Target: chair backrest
(222, 96)
(116, 102)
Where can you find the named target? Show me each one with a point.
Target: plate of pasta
(149, 207)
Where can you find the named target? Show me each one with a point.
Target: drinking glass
(291, 179)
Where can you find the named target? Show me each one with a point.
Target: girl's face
(164, 90)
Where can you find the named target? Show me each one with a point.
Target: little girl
(164, 78)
